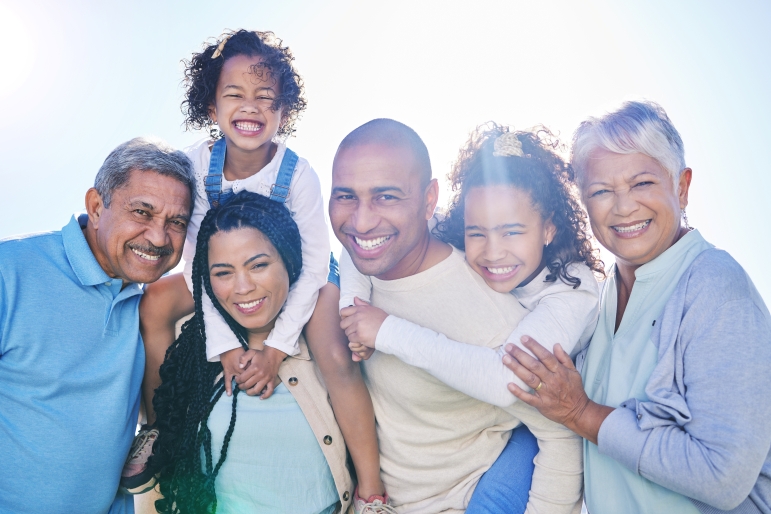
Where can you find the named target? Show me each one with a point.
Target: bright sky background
(82, 76)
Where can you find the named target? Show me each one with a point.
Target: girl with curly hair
(515, 213)
(246, 91)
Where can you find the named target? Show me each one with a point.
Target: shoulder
(304, 172)
(714, 274)
(18, 246)
(198, 148)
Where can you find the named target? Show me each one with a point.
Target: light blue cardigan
(705, 429)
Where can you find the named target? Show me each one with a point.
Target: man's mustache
(151, 249)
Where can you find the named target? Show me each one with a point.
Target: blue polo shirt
(71, 364)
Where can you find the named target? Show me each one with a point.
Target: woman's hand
(260, 370)
(558, 391)
(361, 323)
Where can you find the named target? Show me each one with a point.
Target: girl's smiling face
(248, 277)
(504, 236)
(243, 102)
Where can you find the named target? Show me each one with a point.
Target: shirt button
(293, 381)
(327, 440)
(108, 284)
(639, 416)
(346, 496)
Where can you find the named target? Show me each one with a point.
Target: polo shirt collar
(81, 258)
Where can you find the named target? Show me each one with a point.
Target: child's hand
(260, 371)
(230, 360)
(361, 323)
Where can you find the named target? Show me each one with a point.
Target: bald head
(391, 134)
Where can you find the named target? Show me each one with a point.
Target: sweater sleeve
(709, 400)
(219, 337)
(479, 372)
(307, 206)
(557, 484)
(352, 283)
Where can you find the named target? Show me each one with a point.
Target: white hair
(636, 127)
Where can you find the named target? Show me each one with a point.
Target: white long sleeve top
(558, 314)
(306, 205)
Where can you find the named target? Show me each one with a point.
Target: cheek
(220, 288)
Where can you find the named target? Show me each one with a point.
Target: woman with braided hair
(220, 453)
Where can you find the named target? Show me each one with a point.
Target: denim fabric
(334, 271)
(505, 487)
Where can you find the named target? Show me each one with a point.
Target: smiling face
(379, 207)
(140, 236)
(504, 236)
(632, 204)
(248, 277)
(242, 104)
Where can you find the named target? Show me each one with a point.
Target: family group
(479, 358)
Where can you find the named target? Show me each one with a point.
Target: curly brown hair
(202, 73)
(543, 175)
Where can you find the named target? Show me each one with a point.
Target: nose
(244, 284)
(249, 106)
(364, 218)
(157, 233)
(625, 204)
(493, 250)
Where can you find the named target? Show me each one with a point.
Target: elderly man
(71, 358)
(435, 442)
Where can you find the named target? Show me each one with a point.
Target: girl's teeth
(250, 304)
(248, 126)
(145, 256)
(632, 228)
(501, 271)
(369, 244)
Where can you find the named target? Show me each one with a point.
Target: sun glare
(19, 54)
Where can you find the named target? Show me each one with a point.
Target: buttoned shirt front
(71, 365)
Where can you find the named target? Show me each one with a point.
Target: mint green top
(617, 368)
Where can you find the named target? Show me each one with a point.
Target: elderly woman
(235, 454)
(675, 402)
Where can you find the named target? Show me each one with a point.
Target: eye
(142, 212)
(387, 198)
(512, 233)
(341, 198)
(260, 265)
(221, 273)
(599, 193)
(474, 234)
(644, 183)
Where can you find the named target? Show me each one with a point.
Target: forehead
(153, 188)
(233, 243)
(368, 166)
(606, 166)
(241, 69)
(497, 204)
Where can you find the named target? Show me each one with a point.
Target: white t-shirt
(306, 206)
(558, 314)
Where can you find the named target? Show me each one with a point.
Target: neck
(240, 164)
(426, 254)
(90, 233)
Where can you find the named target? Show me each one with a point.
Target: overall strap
(279, 191)
(213, 181)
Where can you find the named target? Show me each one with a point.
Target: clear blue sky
(82, 76)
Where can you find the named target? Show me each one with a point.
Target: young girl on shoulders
(516, 215)
(245, 84)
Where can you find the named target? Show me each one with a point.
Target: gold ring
(540, 385)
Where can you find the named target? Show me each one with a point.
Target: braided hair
(188, 390)
(203, 70)
(543, 175)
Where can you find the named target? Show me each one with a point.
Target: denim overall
(279, 191)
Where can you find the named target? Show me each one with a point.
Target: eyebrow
(256, 257)
(600, 183)
(497, 227)
(150, 207)
(385, 189)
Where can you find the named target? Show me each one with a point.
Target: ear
(213, 113)
(432, 198)
(549, 231)
(94, 207)
(683, 185)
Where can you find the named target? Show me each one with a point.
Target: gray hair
(143, 154)
(637, 127)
